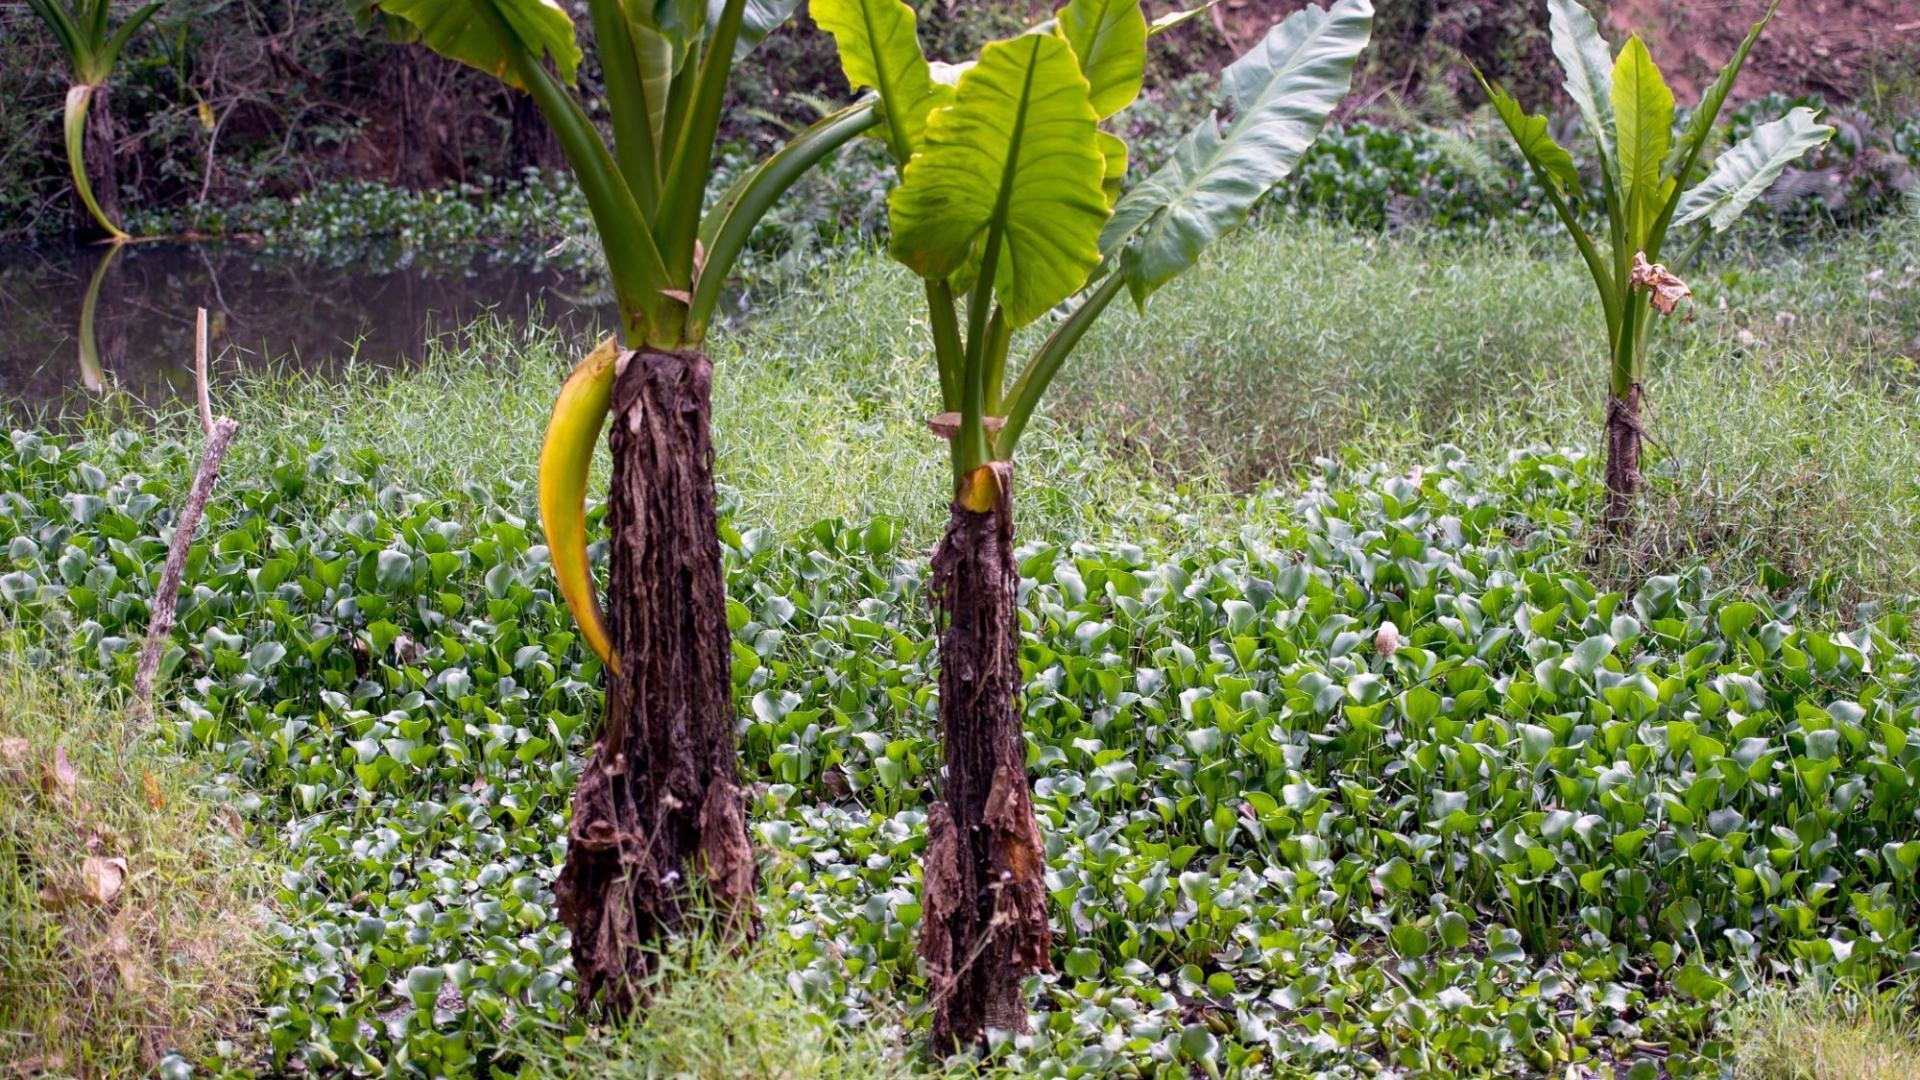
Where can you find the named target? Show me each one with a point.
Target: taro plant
(657, 813)
(91, 52)
(1009, 206)
(1648, 185)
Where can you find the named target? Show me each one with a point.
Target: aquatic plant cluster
(1381, 782)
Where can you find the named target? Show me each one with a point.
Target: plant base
(659, 824)
(1624, 436)
(985, 899)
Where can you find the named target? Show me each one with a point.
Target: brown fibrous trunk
(985, 902)
(659, 821)
(1624, 436)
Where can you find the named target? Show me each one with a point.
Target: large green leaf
(760, 18)
(1015, 152)
(1110, 38)
(1583, 54)
(1282, 92)
(880, 51)
(1749, 167)
(1114, 149)
(1536, 144)
(455, 30)
(1643, 124)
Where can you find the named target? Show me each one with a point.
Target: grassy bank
(1565, 823)
(131, 924)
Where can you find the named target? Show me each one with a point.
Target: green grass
(716, 1013)
(1826, 1032)
(170, 961)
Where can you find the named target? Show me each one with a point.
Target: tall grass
(1826, 1032)
(105, 973)
(715, 1013)
(1782, 414)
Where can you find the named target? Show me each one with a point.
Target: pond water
(76, 319)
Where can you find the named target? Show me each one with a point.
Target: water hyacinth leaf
(1109, 37)
(1015, 155)
(879, 48)
(456, 30)
(1750, 167)
(1588, 64)
(1282, 92)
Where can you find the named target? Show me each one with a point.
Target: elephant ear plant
(1006, 199)
(658, 821)
(91, 51)
(1644, 173)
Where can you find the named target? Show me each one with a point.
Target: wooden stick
(200, 373)
(166, 597)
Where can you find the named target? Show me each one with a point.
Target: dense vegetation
(1338, 706)
(374, 654)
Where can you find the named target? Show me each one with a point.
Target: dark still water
(78, 320)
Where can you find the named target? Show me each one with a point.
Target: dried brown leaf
(126, 961)
(101, 878)
(59, 777)
(151, 787)
(947, 424)
(16, 760)
(1666, 289)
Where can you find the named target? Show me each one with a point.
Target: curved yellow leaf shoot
(565, 462)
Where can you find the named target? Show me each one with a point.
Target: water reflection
(81, 320)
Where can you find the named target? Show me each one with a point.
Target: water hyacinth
(1555, 826)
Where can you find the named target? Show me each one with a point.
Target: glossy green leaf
(1588, 65)
(1535, 143)
(1016, 151)
(1643, 128)
(758, 19)
(1282, 92)
(1110, 39)
(1749, 168)
(1700, 120)
(455, 30)
(880, 51)
(1113, 150)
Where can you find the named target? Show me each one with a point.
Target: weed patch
(130, 927)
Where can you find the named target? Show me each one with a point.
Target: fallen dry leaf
(155, 800)
(61, 778)
(1667, 290)
(16, 760)
(125, 960)
(101, 878)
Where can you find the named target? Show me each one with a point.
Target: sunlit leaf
(1282, 92)
(1110, 38)
(1016, 151)
(458, 31)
